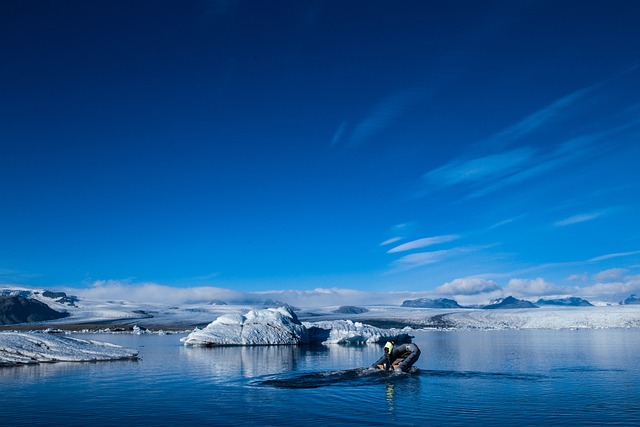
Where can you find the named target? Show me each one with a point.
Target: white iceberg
(349, 332)
(271, 326)
(25, 348)
(275, 326)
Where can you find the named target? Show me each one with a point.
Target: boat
(402, 358)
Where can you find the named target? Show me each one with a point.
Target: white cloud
(469, 290)
(610, 275)
(613, 291)
(155, 293)
(576, 219)
(390, 241)
(162, 294)
(467, 286)
(583, 278)
(421, 243)
(536, 287)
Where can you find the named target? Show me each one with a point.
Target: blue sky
(455, 148)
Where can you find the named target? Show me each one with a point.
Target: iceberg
(271, 326)
(276, 326)
(349, 332)
(25, 348)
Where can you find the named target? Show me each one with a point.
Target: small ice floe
(25, 348)
(271, 326)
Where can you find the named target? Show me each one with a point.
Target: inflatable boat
(402, 358)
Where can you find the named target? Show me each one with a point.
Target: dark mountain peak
(17, 309)
(509, 303)
(432, 303)
(632, 299)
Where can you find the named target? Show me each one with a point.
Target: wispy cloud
(534, 121)
(566, 153)
(614, 255)
(381, 117)
(577, 219)
(339, 133)
(502, 167)
(390, 241)
(422, 243)
(506, 221)
(479, 169)
(412, 261)
(420, 259)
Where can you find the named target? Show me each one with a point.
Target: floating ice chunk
(24, 348)
(258, 327)
(349, 332)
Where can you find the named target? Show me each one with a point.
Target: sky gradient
(452, 148)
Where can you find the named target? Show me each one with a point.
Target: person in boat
(388, 350)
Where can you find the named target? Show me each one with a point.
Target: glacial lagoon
(508, 377)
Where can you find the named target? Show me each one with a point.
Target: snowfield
(547, 317)
(29, 348)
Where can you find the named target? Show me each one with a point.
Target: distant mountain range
(509, 302)
(571, 301)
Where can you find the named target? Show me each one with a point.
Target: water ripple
(344, 378)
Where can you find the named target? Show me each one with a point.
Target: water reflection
(255, 361)
(247, 362)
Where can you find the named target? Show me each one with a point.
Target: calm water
(523, 378)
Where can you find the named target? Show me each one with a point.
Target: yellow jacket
(388, 347)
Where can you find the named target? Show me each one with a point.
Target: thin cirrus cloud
(614, 255)
(479, 169)
(422, 243)
(390, 241)
(420, 259)
(544, 116)
(566, 153)
(381, 117)
(577, 219)
(491, 172)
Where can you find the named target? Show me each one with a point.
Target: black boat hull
(403, 357)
